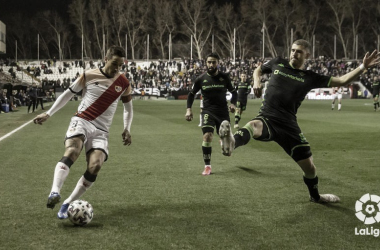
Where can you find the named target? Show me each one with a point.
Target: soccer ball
(80, 212)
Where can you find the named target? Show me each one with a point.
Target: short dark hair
(115, 51)
(213, 54)
(303, 43)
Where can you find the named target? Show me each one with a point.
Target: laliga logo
(368, 209)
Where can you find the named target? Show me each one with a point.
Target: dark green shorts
(210, 121)
(288, 135)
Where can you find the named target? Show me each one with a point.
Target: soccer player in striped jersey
(337, 94)
(277, 119)
(101, 88)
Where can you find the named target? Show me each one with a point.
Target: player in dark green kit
(213, 85)
(243, 89)
(277, 120)
(375, 92)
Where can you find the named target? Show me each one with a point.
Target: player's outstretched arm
(58, 104)
(372, 60)
(369, 61)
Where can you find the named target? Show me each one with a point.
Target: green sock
(206, 149)
(243, 136)
(312, 185)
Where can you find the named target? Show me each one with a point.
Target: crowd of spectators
(177, 74)
(29, 96)
(157, 74)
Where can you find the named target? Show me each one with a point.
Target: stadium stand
(166, 78)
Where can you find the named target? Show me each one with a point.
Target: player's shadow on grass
(340, 206)
(319, 211)
(168, 216)
(249, 170)
(67, 225)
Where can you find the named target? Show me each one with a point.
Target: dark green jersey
(243, 89)
(287, 88)
(375, 88)
(214, 90)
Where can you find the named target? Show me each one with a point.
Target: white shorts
(334, 96)
(93, 138)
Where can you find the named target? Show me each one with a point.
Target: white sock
(200, 120)
(60, 174)
(339, 106)
(332, 106)
(79, 190)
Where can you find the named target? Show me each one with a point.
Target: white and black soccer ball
(80, 212)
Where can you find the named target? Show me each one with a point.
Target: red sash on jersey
(105, 100)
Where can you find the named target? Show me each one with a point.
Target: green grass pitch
(151, 195)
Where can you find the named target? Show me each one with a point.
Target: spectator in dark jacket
(32, 93)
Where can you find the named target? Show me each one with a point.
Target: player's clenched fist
(127, 138)
(232, 108)
(257, 89)
(189, 115)
(39, 119)
(258, 92)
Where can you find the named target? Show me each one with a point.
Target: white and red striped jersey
(338, 90)
(100, 96)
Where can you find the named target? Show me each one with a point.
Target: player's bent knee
(72, 153)
(73, 147)
(301, 153)
(95, 160)
(94, 167)
(207, 137)
(260, 131)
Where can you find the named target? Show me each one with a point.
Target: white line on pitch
(14, 131)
